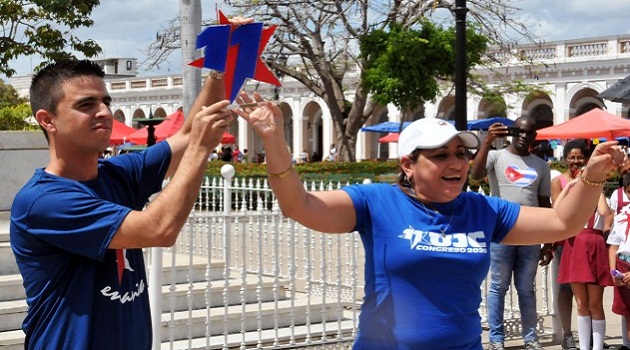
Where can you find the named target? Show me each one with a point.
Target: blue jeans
(523, 261)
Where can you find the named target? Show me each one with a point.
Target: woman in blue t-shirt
(426, 242)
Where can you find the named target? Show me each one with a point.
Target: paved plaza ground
(613, 328)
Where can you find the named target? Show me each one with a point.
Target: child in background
(585, 263)
(619, 259)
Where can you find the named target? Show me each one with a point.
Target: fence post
(556, 322)
(228, 172)
(155, 290)
(155, 295)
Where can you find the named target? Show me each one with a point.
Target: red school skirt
(621, 296)
(585, 259)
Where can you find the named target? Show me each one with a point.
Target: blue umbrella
(484, 124)
(480, 124)
(385, 127)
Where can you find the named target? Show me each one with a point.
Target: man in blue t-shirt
(78, 226)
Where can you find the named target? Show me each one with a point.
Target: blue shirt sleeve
(82, 217)
(507, 214)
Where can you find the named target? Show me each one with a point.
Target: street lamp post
(150, 122)
(461, 118)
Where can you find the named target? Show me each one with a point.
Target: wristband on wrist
(281, 175)
(216, 74)
(591, 183)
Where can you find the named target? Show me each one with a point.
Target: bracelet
(216, 74)
(281, 175)
(589, 182)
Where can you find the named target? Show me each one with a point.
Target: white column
(560, 111)
(430, 109)
(298, 128)
(560, 107)
(243, 133)
(359, 152)
(394, 115)
(329, 133)
(472, 103)
(515, 106)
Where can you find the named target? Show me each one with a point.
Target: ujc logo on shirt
(520, 177)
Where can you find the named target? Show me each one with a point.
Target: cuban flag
(520, 177)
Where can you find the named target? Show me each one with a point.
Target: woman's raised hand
(265, 117)
(605, 157)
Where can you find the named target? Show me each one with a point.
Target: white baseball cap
(431, 133)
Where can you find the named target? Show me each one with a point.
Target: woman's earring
(408, 181)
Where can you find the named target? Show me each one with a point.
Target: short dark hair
(526, 119)
(46, 91)
(576, 144)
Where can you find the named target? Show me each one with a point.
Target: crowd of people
(227, 154)
(587, 262)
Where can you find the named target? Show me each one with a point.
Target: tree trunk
(352, 123)
(190, 18)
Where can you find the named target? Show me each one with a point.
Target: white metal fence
(244, 276)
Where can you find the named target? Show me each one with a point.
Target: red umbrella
(592, 124)
(391, 137)
(228, 138)
(163, 130)
(120, 132)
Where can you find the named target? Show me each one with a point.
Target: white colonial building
(568, 76)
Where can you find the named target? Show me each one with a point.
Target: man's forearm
(213, 90)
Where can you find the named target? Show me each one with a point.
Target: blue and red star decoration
(236, 50)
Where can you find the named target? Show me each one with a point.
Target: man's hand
(496, 130)
(546, 254)
(210, 123)
(237, 21)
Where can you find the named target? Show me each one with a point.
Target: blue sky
(573, 19)
(123, 28)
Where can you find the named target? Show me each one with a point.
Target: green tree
(13, 117)
(44, 28)
(405, 66)
(9, 96)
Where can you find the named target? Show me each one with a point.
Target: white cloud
(123, 28)
(573, 19)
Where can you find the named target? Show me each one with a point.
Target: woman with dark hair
(573, 157)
